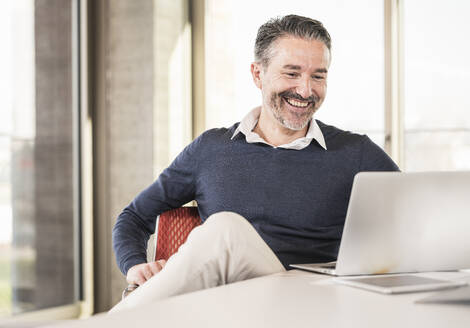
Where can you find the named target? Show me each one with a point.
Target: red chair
(172, 230)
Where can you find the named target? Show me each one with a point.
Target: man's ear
(256, 71)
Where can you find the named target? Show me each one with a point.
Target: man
(272, 190)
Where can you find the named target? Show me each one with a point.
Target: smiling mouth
(297, 103)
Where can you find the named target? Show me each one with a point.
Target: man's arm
(173, 188)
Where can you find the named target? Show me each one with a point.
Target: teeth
(297, 103)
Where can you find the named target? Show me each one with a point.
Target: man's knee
(227, 222)
(221, 232)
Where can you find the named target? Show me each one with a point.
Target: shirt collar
(249, 122)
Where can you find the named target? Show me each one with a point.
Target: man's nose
(304, 88)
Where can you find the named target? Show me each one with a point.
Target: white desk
(292, 299)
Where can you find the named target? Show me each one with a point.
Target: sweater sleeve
(174, 187)
(373, 158)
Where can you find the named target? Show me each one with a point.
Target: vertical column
(53, 155)
(123, 129)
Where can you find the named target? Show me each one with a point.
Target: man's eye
(318, 77)
(291, 74)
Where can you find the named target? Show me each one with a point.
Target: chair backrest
(174, 227)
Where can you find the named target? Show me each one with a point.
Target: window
(433, 72)
(39, 152)
(436, 85)
(355, 99)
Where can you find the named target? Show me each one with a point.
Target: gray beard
(276, 108)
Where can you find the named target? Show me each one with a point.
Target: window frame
(394, 101)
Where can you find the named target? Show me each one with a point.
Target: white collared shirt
(249, 122)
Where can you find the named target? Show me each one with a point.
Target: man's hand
(140, 273)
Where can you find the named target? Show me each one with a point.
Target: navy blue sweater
(295, 199)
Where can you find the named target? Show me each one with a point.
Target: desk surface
(294, 298)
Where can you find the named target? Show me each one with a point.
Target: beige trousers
(223, 250)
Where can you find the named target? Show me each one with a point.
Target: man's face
(293, 84)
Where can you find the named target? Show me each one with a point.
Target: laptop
(402, 223)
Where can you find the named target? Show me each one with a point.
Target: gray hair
(275, 28)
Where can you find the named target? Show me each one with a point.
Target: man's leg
(225, 249)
